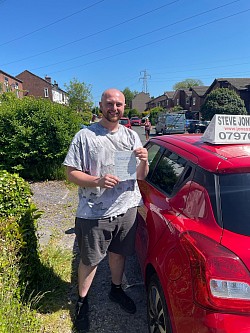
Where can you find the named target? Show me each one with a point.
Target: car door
(164, 193)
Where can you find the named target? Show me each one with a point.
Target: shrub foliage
(35, 136)
(222, 101)
(18, 229)
(19, 260)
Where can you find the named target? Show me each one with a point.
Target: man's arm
(82, 179)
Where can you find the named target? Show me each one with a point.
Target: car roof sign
(228, 129)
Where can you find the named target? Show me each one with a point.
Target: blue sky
(108, 43)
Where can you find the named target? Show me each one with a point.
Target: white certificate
(125, 165)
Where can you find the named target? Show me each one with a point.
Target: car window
(235, 201)
(208, 181)
(167, 172)
(154, 154)
(123, 121)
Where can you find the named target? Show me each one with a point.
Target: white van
(170, 123)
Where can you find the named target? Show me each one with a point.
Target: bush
(154, 113)
(15, 316)
(35, 136)
(19, 259)
(133, 113)
(86, 117)
(18, 227)
(222, 101)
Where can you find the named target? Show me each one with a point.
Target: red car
(135, 121)
(193, 238)
(125, 122)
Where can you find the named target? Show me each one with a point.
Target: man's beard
(111, 118)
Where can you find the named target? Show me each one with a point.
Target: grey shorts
(96, 237)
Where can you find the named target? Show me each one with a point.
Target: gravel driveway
(59, 201)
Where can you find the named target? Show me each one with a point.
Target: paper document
(125, 165)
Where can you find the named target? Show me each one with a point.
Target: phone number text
(234, 136)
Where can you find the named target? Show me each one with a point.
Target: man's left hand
(142, 154)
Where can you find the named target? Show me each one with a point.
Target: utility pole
(145, 80)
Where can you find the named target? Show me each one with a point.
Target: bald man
(106, 214)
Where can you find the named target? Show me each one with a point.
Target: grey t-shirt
(93, 151)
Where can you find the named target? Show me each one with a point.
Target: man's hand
(108, 181)
(142, 169)
(141, 153)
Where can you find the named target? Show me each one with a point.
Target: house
(59, 95)
(198, 95)
(11, 83)
(240, 85)
(182, 98)
(139, 101)
(159, 101)
(169, 99)
(39, 87)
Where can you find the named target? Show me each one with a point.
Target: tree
(133, 113)
(129, 95)
(222, 101)
(80, 98)
(188, 83)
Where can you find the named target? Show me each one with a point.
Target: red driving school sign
(224, 129)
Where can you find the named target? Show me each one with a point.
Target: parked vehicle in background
(160, 123)
(171, 123)
(196, 126)
(135, 121)
(125, 122)
(193, 235)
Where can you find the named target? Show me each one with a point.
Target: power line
(50, 24)
(93, 34)
(128, 40)
(149, 44)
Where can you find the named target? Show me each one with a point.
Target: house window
(177, 101)
(187, 100)
(6, 82)
(46, 92)
(194, 100)
(167, 102)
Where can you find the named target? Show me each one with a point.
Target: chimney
(48, 79)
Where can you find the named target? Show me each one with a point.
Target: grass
(49, 309)
(55, 308)
(51, 306)
(16, 317)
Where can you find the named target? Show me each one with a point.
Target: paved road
(140, 130)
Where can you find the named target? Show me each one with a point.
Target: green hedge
(15, 315)
(19, 259)
(18, 227)
(35, 136)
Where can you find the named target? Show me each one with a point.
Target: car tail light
(220, 279)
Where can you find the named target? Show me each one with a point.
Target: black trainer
(118, 295)
(81, 322)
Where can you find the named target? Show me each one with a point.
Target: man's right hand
(108, 181)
